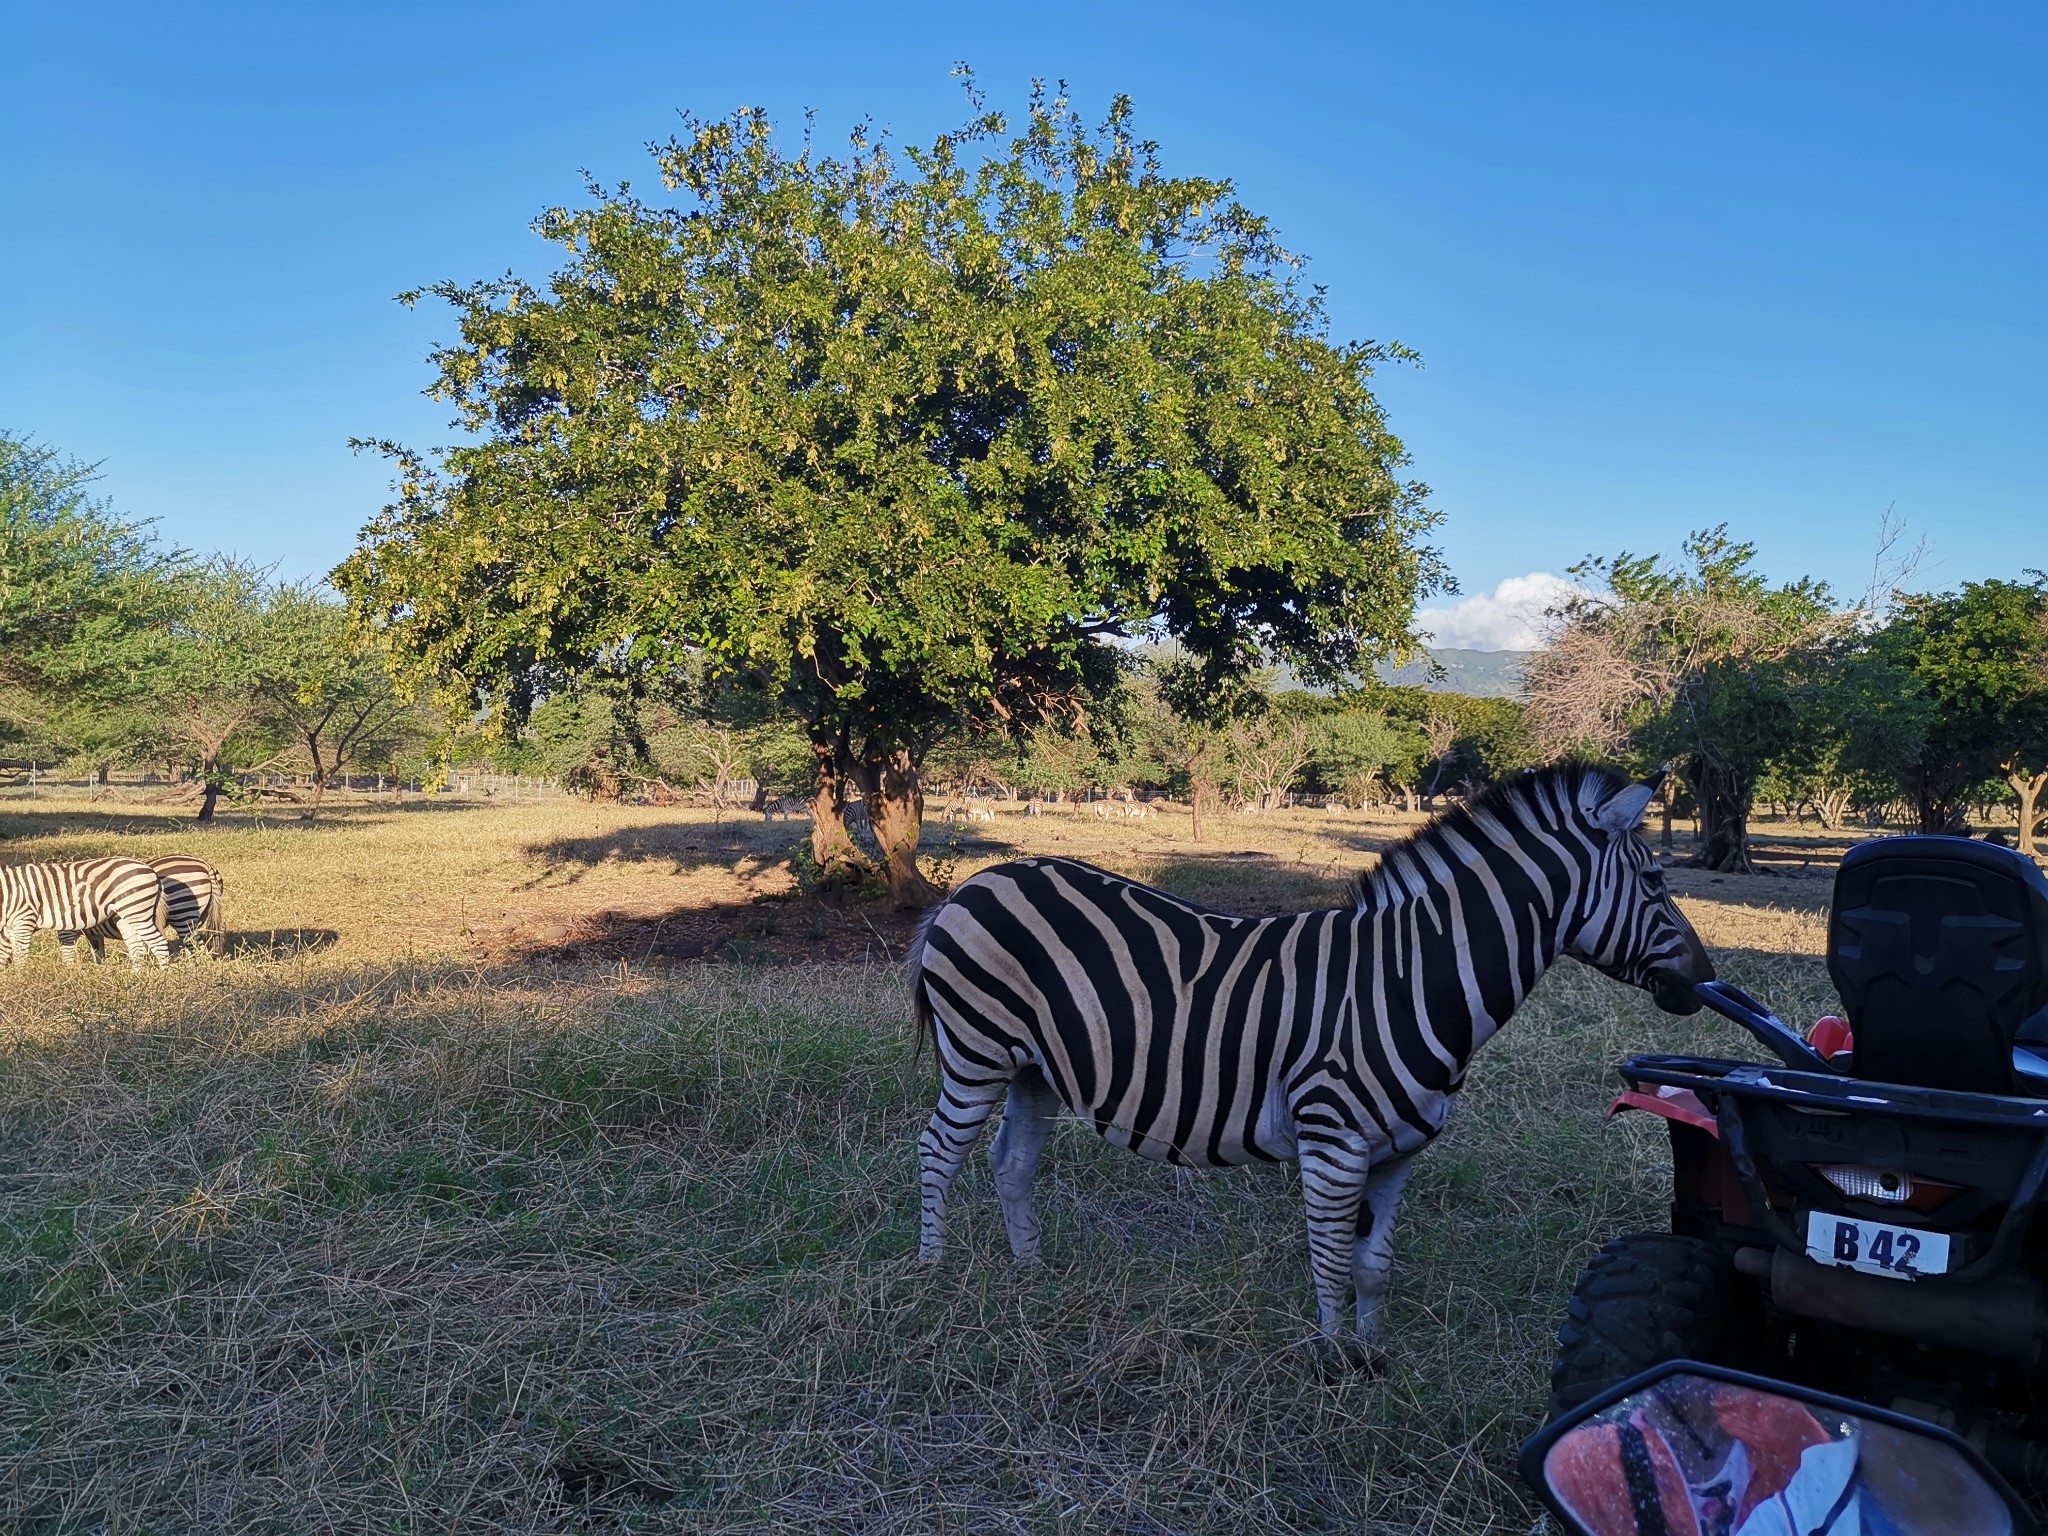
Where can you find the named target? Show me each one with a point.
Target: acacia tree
(81, 593)
(328, 693)
(1267, 755)
(1981, 657)
(903, 440)
(222, 662)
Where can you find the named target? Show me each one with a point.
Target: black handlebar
(1776, 1036)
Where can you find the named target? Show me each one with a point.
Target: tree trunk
(1939, 812)
(209, 771)
(1940, 819)
(895, 805)
(839, 861)
(1724, 803)
(1832, 807)
(2028, 788)
(319, 777)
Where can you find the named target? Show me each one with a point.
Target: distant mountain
(1486, 674)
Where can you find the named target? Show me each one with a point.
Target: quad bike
(1858, 1217)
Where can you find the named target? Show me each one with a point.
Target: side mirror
(1693, 1450)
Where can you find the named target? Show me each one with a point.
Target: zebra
(76, 896)
(1335, 1039)
(191, 900)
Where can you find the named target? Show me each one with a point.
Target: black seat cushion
(1939, 949)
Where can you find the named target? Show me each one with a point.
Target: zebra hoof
(1356, 1356)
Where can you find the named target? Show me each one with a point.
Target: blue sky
(1776, 265)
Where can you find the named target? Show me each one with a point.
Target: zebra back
(77, 894)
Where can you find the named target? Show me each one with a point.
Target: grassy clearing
(386, 1232)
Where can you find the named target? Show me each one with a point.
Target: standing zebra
(1333, 1038)
(192, 897)
(76, 896)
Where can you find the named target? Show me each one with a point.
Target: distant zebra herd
(144, 903)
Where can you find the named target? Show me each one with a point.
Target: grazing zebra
(191, 900)
(1333, 1038)
(77, 896)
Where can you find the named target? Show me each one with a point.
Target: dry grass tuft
(379, 1230)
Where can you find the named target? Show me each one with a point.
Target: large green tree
(903, 440)
(1980, 655)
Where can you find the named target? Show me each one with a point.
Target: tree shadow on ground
(281, 943)
(685, 845)
(797, 929)
(688, 846)
(105, 818)
(255, 943)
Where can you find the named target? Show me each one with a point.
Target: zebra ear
(1623, 811)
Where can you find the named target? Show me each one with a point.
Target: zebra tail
(920, 999)
(214, 924)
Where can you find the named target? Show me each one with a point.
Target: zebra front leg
(963, 1109)
(1333, 1179)
(1372, 1255)
(1013, 1155)
(67, 945)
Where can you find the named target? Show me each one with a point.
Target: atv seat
(1939, 949)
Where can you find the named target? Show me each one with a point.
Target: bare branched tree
(1692, 662)
(1584, 691)
(1893, 564)
(1266, 756)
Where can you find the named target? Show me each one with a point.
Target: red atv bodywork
(1705, 1189)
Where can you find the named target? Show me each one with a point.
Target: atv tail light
(1886, 1186)
(1883, 1185)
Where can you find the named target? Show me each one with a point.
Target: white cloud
(1510, 618)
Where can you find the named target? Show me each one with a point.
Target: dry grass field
(551, 1168)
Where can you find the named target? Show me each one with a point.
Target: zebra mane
(1511, 801)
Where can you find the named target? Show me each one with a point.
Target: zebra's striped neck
(1512, 861)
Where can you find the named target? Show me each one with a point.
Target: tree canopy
(79, 590)
(1980, 654)
(903, 439)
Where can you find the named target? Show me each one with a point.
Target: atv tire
(1644, 1299)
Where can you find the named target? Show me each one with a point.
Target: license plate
(1875, 1247)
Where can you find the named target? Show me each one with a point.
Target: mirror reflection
(1691, 1456)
